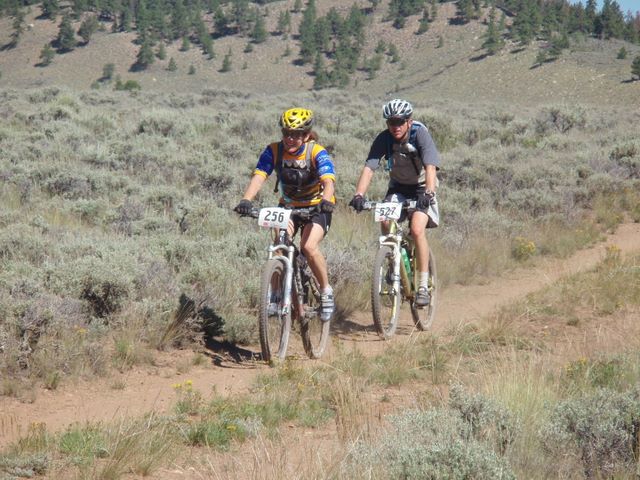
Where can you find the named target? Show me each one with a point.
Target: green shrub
(428, 445)
(522, 249)
(561, 119)
(600, 429)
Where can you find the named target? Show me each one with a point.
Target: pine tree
(173, 66)
(207, 46)
(46, 55)
(142, 16)
(423, 26)
(161, 53)
(226, 62)
(107, 71)
(610, 23)
(622, 53)
(221, 22)
(184, 47)
(526, 23)
(307, 32)
(259, 33)
(635, 68)
(284, 22)
(192, 70)
(393, 53)
(179, 20)
(18, 28)
(66, 40)
(145, 55)
(50, 9)
(321, 79)
(591, 14)
(541, 57)
(493, 42)
(241, 13)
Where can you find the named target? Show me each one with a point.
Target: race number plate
(387, 211)
(274, 217)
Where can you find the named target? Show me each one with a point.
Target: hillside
(445, 62)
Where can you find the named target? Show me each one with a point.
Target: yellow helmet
(297, 119)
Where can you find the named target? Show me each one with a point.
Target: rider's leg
(312, 234)
(418, 232)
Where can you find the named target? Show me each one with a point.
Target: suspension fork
(274, 252)
(393, 240)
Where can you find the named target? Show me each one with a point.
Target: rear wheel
(314, 331)
(274, 325)
(385, 300)
(423, 317)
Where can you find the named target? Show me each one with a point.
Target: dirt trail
(146, 389)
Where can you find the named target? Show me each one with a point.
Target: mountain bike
(289, 292)
(394, 272)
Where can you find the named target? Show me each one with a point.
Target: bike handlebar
(406, 205)
(300, 212)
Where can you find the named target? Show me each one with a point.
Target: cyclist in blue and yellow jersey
(412, 160)
(306, 177)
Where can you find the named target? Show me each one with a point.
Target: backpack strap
(278, 166)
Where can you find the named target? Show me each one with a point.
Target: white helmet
(397, 108)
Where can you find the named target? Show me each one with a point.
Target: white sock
(423, 279)
(327, 291)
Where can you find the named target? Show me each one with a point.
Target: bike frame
(284, 243)
(394, 239)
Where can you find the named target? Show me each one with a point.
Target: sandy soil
(146, 389)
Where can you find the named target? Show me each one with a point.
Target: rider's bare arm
(329, 189)
(364, 181)
(430, 177)
(254, 186)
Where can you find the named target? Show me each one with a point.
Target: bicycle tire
(274, 326)
(385, 302)
(313, 330)
(423, 317)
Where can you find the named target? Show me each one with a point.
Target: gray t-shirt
(407, 162)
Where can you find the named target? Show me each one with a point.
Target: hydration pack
(410, 147)
(294, 177)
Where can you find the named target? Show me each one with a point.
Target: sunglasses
(293, 133)
(396, 122)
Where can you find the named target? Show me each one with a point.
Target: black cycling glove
(244, 207)
(425, 200)
(326, 206)
(357, 203)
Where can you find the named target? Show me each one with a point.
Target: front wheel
(423, 317)
(385, 299)
(274, 324)
(314, 331)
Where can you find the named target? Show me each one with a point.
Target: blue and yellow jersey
(310, 191)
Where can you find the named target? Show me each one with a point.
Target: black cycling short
(319, 218)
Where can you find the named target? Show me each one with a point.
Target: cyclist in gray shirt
(411, 158)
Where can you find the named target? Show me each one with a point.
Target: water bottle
(406, 261)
